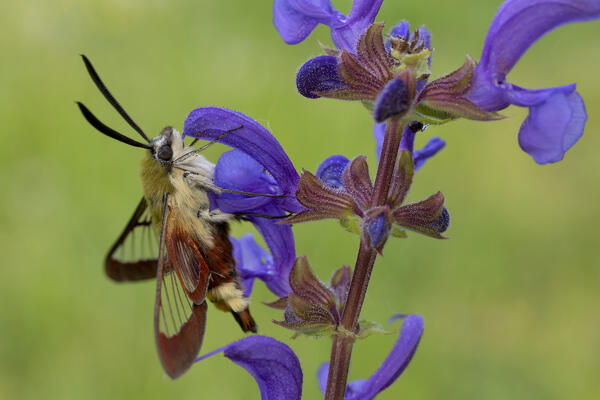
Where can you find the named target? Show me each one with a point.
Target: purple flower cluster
(390, 75)
(557, 115)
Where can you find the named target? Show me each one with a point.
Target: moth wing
(187, 260)
(133, 255)
(179, 322)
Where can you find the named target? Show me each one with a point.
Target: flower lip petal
(319, 75)
(398, 359)
(251, 261)
(280, 241)
(433, 146)
(553, 127)
(271, 363)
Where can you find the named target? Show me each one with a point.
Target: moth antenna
(111, 99)
(95, 122)
(206, 146)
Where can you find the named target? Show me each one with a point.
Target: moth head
(166, 145)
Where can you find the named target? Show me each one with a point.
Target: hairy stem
(341, 349)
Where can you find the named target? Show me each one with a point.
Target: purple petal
(393, 366)
(408, 139)
(353, 389)
(433, 146)
(553, 126)
(322, 374)
(280, 241)
(238, 171)
(425, 38)
(296, 19)
(378, 135)
(209, 122)
(319, 74)
(442, 222)
(345, 32)
(377, 228)
(271, 363)
(252, 261)
(401, 29)
(331, 170)
(397, 361)
(520, 23)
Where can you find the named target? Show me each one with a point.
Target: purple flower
(296, 19)
(271, 363)
(320, 75)
(257, 165)
(391, 368)
(351, 203)
(389, 76)
(556, 115)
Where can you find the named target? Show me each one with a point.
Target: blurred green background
(511, 302)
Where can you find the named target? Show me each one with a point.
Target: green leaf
(368, 328)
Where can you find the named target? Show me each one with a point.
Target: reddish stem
(341, 349)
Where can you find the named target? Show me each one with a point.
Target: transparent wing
(133, 255)
(179, 322)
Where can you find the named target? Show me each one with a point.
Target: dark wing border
(121, 271)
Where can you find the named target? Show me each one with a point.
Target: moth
(193, 261)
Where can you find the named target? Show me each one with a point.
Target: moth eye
(165, 152)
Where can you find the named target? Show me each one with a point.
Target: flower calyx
(444, 99)
(312, 308)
